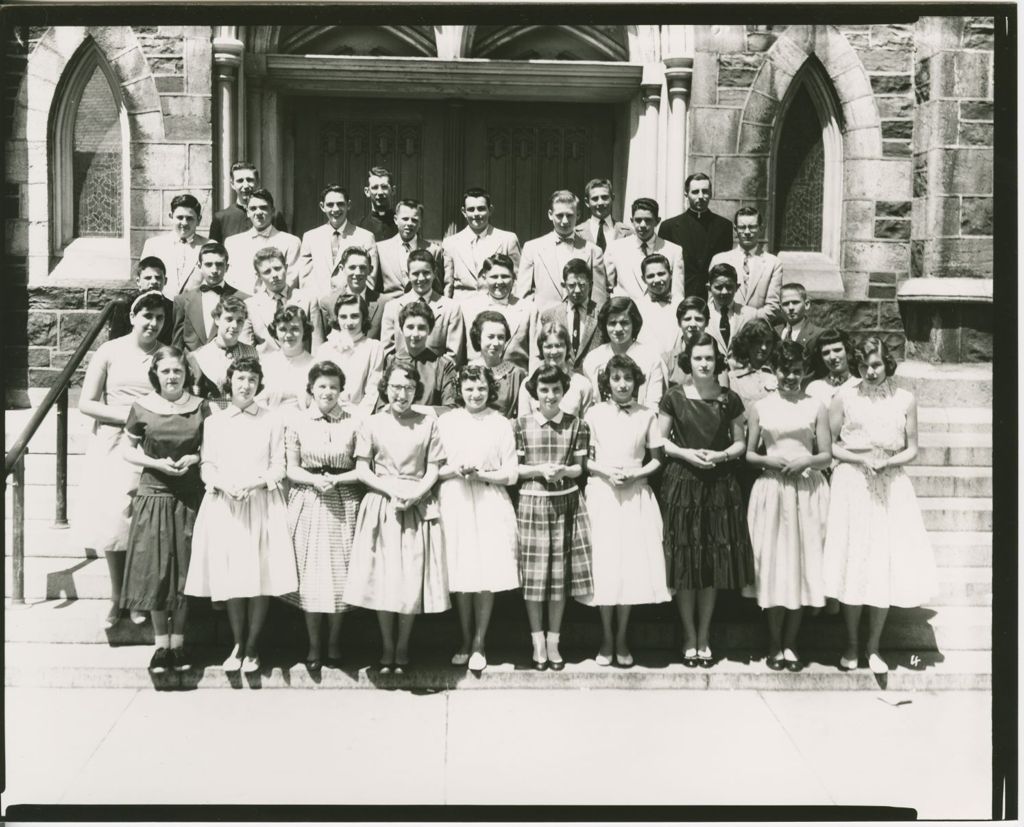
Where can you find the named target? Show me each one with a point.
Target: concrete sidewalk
(128, 746)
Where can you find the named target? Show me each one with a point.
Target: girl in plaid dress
(322, 506)
(554, 530)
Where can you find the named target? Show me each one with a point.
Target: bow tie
(212, 288)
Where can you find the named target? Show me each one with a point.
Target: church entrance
(519, 152)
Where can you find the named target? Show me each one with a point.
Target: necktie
(790, 334)
(575, 331)
(601, 241)
(723, 326)
(335, 245)
(405, 263)
(643, 248)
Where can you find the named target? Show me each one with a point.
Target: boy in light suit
(601, 229)
(322, 247)
(465, 252)
(179, 249)
(760, 272)
(393, 253)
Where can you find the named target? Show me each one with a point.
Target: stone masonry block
(973, 72)
(760, 41)
(160, 45)
(922, 81)
(976, 110)
(736, 76)
(852, 85)
(147, 208)
(917, 259)
(958, 257)
(720, 39)
(198, 62)
(38, 357)
(892, 35)
(891, 84)
(942, 217)
(200, 165)
(16, 236)
(131, 64)
(146, 126)
(760, 109)
(861, 113)
(158, 165)
(112, 40)
(47, 377)
(735, 98)
(714, 131)
(859, 220)
(140, 95)
(976, 216)
(917, 217)
(892, 228)
(881, 291)
(45, 63)
(936, 125)
(942, 75)
(834, 50)
(976, 134)
(168, 66)
(704, 91)
(893, 209)
(935, 34)
(74, 326)
(979, 35)
(787, 55)
(56, 298)
(98, 297)
(755, 139)
(169, 84)
(41, 329)
(887, 60)
(877, 255)
(896, 149)
(896, 130)
(845, 315)
(879, 180)
(187, 117)
(739, 177)
(895, 107)
(889, 316)
(772, 81)
(966, 171)
(862, 143)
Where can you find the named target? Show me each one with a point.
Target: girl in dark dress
(707, 546)
(164, 432)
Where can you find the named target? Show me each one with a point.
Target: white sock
(177, 641)
(539, 651)
(162, 641)
(553, 652)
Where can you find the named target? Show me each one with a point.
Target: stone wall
(164, 78)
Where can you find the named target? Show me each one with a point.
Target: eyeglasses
(402, 388)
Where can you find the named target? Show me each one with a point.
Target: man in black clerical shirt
(380, 220)
(245, 179)
(699, 232)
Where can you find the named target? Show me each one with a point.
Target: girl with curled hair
(832, 359)
(477, 518)
(620, 322)
(360, 358)
(877, 552)
(241, 548)
(209, 363)
(554, 344)
(489, 335)
(751, 350)
(286, 369)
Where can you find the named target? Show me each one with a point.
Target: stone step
(70, 578)
(954, 449)
(64, 665)
(956, 513)
(736, 626)
(955, 481)
(962, 548)
(947, 385)
(955, 420)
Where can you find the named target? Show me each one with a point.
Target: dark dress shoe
(313, 665)
(182, 659)
(161, 661)
(557, 665)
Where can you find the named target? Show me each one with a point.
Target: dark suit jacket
(590, 338)
(375, 309)
(382, 228)
(189, 325)
(233, 220)
(807, 336)
(700, 239)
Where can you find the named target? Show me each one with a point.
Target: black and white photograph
(525, 406)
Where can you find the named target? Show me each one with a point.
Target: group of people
(397, 425)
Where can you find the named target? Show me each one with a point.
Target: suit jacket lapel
(194, 311)
(551, 264)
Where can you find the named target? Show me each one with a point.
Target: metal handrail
(14, 461)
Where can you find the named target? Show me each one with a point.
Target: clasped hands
(705, 457)
(177, 467)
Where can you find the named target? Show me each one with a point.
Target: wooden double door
(519, 152)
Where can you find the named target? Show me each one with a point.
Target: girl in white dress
(241, 547)
(628, 560)
(360, 358)
(619, 321)
(117, 376)
(477, 518)
(788, 503)
(877, 552)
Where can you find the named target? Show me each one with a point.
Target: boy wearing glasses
(760, 273)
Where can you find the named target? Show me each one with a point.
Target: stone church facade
(867, 148)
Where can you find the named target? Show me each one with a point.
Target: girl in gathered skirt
(788, 503)
(477, 518)
(241, 548)
(629, 563)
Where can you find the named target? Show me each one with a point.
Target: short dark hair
(168, 352)
(478, 373)
(346, 299)
(229, 304)
(620, 361)
(655, 258)
(420, 309)
(338, 188)
(147, 300)
(696, 176)
(407, 366)
(189, 202)
(746, 211)
(244, 364)
(287, 315)
(422, 255)
(875, 344)
(325, 368)
(476, 192)
(151, 263)
(213, 247)
(644, 204)
(787, 354)
(485, 317)
(723, 269)
(832, 336)
(379, 172)
(753, 334)
(552, 328)
(703, 340)
(243, 165)
(691, 303)
(266, 254)
(262, 194)
(547, 375)
(354, 250)
(616, 305)
(577, 267)
(497, 260)
(795, 287)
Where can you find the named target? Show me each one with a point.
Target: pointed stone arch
(609, 43)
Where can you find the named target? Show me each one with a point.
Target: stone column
(678, 74)
(647, 156)
(227, 57)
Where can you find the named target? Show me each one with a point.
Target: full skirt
(322, 528)
(555, 554)
(479, 528)
(786, 518)
(398, 562)
(628, 558)
(242, 548)
(706, 539)
(104, 509)
(877, 551)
